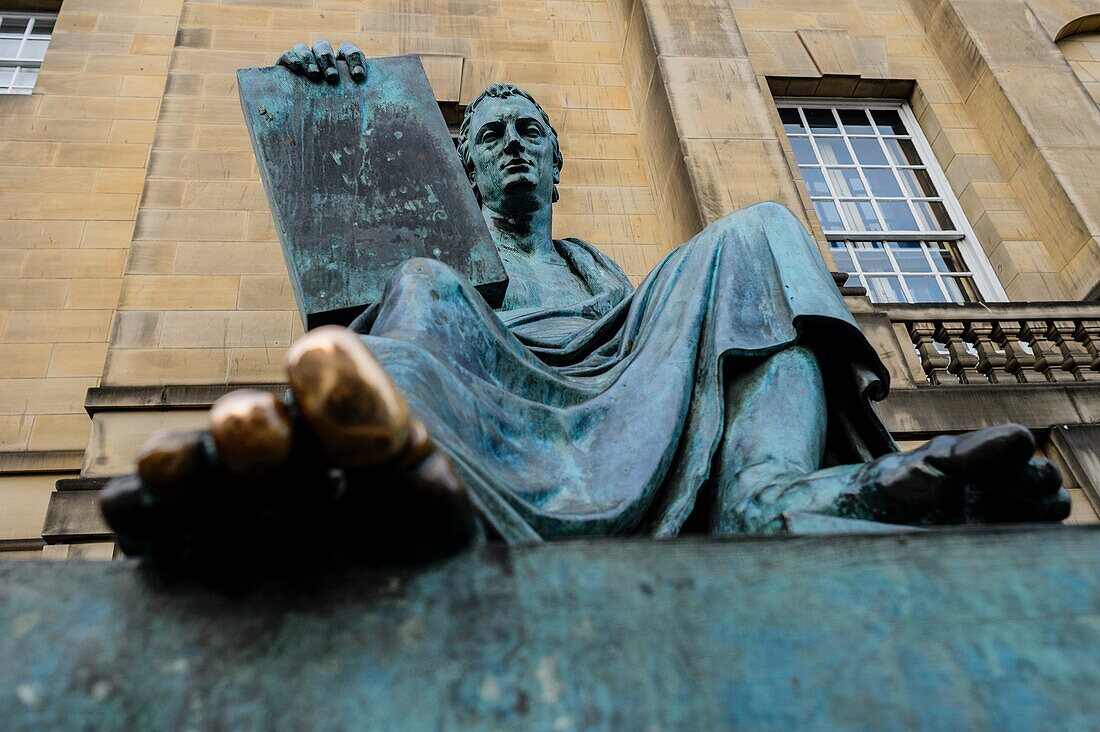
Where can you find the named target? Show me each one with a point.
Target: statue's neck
(527, 233)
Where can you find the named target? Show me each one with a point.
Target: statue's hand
(320, 61)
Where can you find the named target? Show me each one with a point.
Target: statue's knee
(421, 271)
(768, 211)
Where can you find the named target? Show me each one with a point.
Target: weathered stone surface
(980, 629)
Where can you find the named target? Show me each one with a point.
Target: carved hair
(503, 90)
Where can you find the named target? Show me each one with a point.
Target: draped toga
(604, 417)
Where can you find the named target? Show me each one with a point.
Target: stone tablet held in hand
(361, 177)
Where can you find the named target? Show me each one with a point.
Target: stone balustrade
(1003, 343)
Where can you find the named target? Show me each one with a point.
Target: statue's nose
(515, 142)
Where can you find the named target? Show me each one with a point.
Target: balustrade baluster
(1076, 359)
(963, 364)
(932, 361)
(991, 360)
(1048, 358)
(1019, 363)
(1088, 332)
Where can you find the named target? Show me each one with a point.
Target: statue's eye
(488, 136)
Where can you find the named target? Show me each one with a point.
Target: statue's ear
(557, 179)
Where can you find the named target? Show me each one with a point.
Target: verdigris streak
(361, 178)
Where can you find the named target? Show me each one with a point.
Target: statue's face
(513, 155)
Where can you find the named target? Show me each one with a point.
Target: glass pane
(946, 259)
(855, 121)
(829, 216)
(933, 216)
(868, 151)
(843, 258)
(917, 182)
(34, 50)
(815, 181)
(902, 152)
(872, 257)
(42, 27)
(910, 256)
(26, 78)
(9, 48)
(885, 289)
(822, 121)
(925, 289)
(882, 182)
(17, 26)
(846, 182)
(803, 153)
(888, 121)
(6, 75)
(833, 151)
(961, 289)
(861, 215)
(792, 123)
(898, 216)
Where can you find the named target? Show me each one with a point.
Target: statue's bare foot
(342, 467)
(986, 476)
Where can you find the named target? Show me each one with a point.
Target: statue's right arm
(320, 61)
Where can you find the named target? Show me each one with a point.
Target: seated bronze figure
(730, 389)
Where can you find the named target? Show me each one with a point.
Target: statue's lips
(516, 166)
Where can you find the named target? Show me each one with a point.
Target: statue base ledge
(977, 628)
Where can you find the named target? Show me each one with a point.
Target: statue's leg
(770, 458)
(774, 435)
(429, 303)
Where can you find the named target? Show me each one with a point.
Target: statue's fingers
(354, 58)
(292, 61)
(252, 432)
(309, 61)
(346, 399)
(326, 60)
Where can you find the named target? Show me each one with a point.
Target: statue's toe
(347, 399)
(996, 452)
(169, 463)
(252, 432)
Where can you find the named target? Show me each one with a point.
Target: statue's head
(510, 150)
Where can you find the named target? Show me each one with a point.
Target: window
(23, 41)
(884, 204)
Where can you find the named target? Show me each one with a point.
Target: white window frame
(17, 63)
(963, 237)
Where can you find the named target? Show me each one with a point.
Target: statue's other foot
(987, 476)
(340, 467)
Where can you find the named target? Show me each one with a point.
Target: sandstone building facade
(942, 152)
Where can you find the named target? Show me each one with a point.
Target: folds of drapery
(603, 417)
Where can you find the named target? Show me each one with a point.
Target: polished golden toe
(347, 399)
(169, 461)
(252, 432)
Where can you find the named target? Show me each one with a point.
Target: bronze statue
(728, 391)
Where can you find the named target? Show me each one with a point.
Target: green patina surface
(361, 177)
(960, 629)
